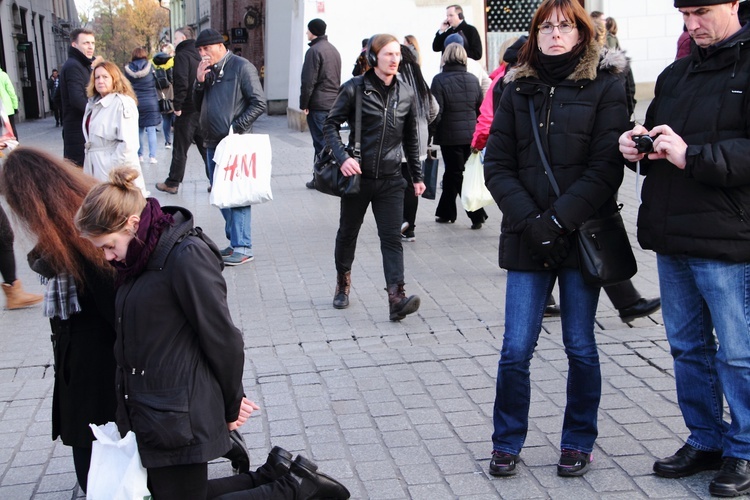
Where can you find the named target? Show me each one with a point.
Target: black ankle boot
(279, 461)
(314, 484)
(399, 305)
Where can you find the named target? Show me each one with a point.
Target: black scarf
(153, 223)
(554, 69)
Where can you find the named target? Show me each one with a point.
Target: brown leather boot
(343, 285)
(399, 305)
(17, 298)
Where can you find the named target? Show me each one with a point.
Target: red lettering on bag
(248, 168)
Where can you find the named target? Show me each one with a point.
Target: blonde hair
(504, 47)
(411, 40)
(120, 84)
(454, 54)
(108, 205)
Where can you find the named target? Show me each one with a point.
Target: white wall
(648, 31)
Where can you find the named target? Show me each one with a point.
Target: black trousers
(12, 120)
(387, 199)
(186, 131)
(622, 294)
(7, 259)
(455, 158)
(258, 485)
(179, 482)
(411, 200)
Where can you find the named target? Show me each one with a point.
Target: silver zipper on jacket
(549, 109)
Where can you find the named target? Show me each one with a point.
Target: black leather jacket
(388, 122)
(231, 96)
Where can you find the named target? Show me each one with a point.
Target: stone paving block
(618, 446)
(629, 416)
(430, 492)
(58, 482)
(18, 492)
(23, 475)
(473, 433)
(659, 487)
(393, 423)
(444, 446)
(322, 434)
(386, 489)
(468, 484)
(401, 438)
(570, 491)
(329, 451)
(609, 480)
(458, 464)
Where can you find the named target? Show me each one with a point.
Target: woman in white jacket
(110, 124)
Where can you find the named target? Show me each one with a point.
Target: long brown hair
(572, 11)
(44, 192)
(120, 84)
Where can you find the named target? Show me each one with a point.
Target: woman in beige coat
(110, 124)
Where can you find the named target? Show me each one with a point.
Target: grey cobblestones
(394, 410)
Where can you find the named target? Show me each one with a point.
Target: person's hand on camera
(628, 146)
(668, 146)
(545, 238)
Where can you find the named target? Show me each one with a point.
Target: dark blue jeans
(525, 299)
(387, 199)
(315, 120)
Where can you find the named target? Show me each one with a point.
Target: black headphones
(372, 57)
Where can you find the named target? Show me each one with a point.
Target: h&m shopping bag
(242, 175)
(116, 472)
(474, 194)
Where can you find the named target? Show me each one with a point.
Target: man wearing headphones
(389, 123)
(454, 23)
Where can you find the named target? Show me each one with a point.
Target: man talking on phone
(454, 23)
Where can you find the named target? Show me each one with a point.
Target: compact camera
(644, 143)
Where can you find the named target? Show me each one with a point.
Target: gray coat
(321, 76)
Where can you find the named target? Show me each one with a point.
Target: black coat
(321, 76)
(179, 356)
(141, 75)
(186, 61)
(389, 122)
(459, 95)
(472, 40)
(580, 121)
(702, 211)
(71, 99)
(230, 96)
(82, 345)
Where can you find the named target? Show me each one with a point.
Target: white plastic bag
(474, 194)
(242, 175)
(116, 472)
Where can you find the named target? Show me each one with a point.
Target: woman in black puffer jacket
(141, 75)
(459, 95)
(580, 112)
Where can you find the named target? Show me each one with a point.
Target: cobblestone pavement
(393, 410)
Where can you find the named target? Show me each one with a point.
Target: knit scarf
(153, 223)
(554, 69)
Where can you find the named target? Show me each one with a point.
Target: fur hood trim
(595, 58)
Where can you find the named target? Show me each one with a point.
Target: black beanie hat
(698, 3)
(317, 27)
(208, 37)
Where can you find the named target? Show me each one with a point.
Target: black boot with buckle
(399, 305)
(343, 285)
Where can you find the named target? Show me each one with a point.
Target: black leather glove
(545, 238)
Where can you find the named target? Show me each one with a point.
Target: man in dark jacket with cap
(71, 97)
(694, 216)
(186, 127)
(321, 79)
(227, 93)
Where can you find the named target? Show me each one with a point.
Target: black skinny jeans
(387, 199)
(179, 482)
(411, 200)
(186, 131)
(455, 158)
(7, 259)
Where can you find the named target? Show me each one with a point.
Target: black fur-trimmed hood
(595, 58)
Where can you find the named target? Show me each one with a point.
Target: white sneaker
(168, 146)
(140, 159)
(152, 160)
(404, 227)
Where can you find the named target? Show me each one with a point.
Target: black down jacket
(179, 356)
(186, 60)
(230, 96)
(71, 98)
(459, 95)
(388, 123)
(580, 121)
(702, 211)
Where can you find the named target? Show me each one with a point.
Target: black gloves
(545, 238)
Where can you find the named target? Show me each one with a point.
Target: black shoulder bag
(604, 253)
(327, 170)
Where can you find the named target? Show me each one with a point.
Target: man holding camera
(454, 23)
(693, 216)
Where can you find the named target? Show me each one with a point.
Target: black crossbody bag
(604, 253)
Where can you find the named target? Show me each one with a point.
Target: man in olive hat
(693, 215)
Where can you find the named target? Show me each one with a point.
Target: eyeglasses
(548, 28)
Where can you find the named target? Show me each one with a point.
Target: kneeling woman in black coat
(579, 112)
(179, 356)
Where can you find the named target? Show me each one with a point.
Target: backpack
(162, 78)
